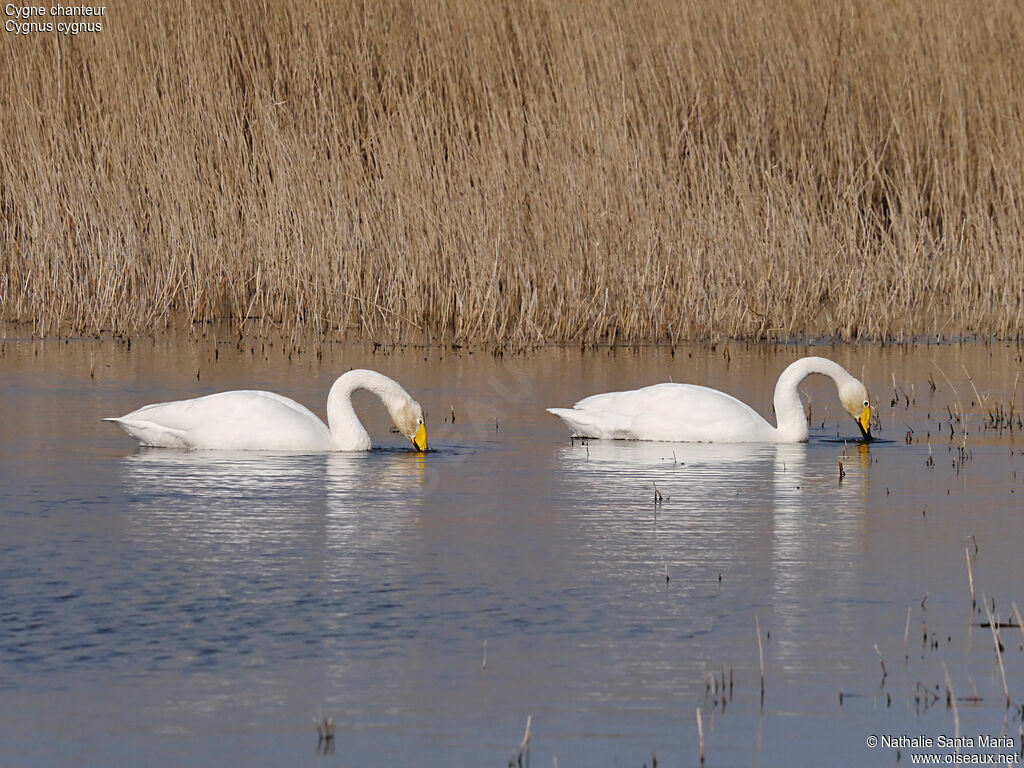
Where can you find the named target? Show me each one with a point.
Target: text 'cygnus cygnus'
(252, 420)
(691, 413)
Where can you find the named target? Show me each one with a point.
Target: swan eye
(865, 402)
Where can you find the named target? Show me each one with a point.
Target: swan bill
(864, 423)
(419, 440)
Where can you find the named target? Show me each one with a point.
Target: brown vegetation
(511, 172)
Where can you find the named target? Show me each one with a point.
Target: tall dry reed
(519, 171)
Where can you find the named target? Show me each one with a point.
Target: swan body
(253, 420)
(691, 413)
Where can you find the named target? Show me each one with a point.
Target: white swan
(690, 413)
(251, 420)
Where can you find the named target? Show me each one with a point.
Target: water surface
(165, 607)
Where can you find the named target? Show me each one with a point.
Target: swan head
(854, 397)
(408, 417)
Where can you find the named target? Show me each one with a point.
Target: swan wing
(245, 419)
(673, 412)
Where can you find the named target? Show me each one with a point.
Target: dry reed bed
(519, 172)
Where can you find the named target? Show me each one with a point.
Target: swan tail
(150, 434)
(578, 421)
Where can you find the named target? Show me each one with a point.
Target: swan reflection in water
(819, 528)
(700, 476)
(254, 556)
(245, 495)
(712, 476)
(775, 518)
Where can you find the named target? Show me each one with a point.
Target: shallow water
(162, 607)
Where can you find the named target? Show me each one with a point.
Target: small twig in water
(1016, 615)
(524, 747)
(324, 734)
(906, 636)
(970, 576)
(999, 650)
(951, 701)
(760, 654)
(700, 736)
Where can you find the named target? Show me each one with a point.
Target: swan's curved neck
(789, 409)
(346, 429)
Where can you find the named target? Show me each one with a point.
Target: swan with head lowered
(252, 420)
(691, 413)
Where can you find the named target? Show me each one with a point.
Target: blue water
(170, 608)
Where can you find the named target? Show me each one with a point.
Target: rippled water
(163, 607)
